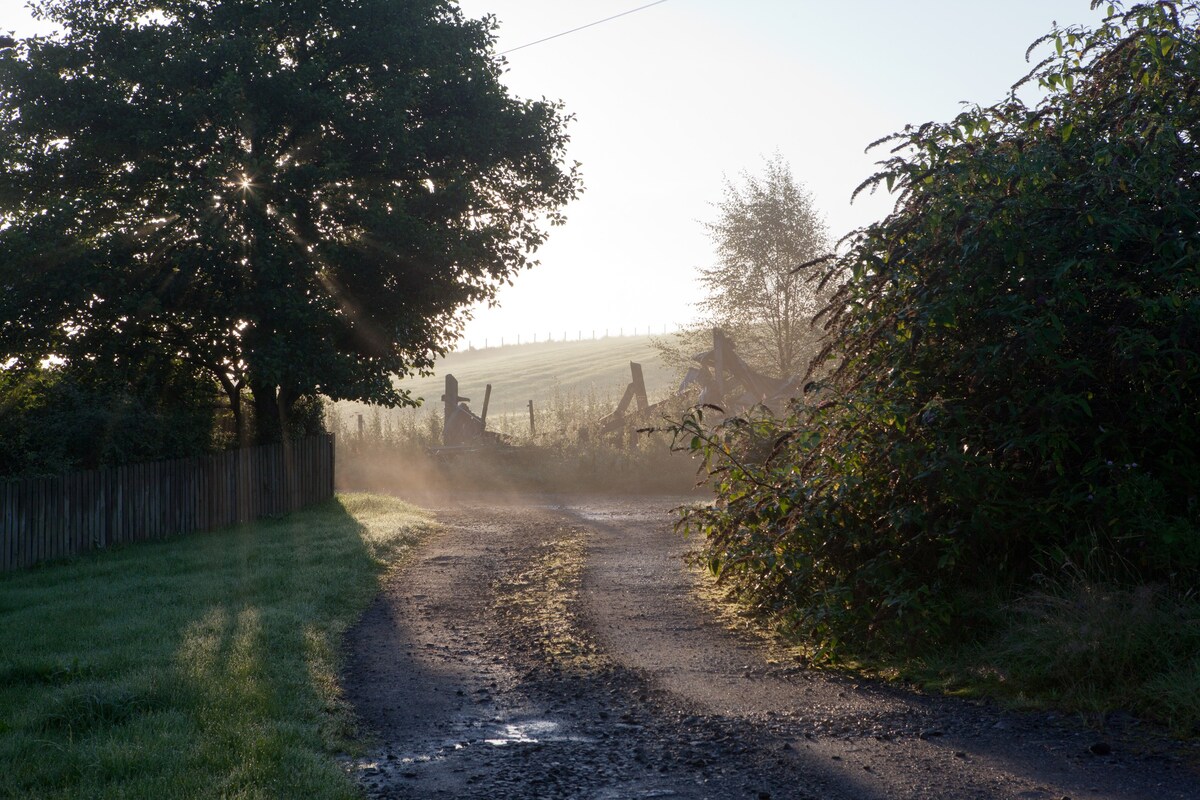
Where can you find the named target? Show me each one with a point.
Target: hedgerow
(1013, 366)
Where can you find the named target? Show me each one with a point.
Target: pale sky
(672, 99)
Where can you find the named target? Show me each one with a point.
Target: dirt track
(555, 648)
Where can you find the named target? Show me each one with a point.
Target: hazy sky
(672, 99)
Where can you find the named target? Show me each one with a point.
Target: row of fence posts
(579, 336)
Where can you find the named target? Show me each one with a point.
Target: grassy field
(573, 385)
(519, 373)
(203, 666)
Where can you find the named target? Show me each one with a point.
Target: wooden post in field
(449, 404)
(639, 387)
(626, 399)
(450, 401)
(531, 426)
(487, 398)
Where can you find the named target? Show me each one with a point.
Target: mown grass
(204, 666)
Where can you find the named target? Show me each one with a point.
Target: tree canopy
(1015, 356)
(293, 197)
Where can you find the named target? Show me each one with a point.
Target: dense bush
(55, 419)
(62, 418)
(1014, 361)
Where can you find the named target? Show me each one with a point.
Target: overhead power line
(581, 27)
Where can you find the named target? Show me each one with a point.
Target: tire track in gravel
(881, 740)
(556, 648)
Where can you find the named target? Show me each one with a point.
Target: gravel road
(557, 648)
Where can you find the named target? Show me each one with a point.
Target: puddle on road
(470, 733)
(532, 732)
(389, 773)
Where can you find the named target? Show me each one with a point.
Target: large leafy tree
(293, 197)
(1017, 358)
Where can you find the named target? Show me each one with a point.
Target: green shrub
(59, 419)
(1014, 362)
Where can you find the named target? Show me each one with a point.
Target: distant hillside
(519, 373)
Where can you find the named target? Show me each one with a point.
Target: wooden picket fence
(47, 518)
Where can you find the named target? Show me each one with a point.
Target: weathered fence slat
(8, 537)
(50, 518)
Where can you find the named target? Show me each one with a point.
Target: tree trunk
(233, 392)
(272, 411)
(267, 423)
(284, 402)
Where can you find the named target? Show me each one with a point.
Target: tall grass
(1096, 648)
(565, 450)
(204, 666)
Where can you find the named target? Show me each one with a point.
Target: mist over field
(574, 387)
(518, 373)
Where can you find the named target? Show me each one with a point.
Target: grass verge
(1076, 646)
(204, 666)
(1088, 648)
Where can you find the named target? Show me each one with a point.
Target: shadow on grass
(199, 666)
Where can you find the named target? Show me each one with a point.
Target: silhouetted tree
(293, 197)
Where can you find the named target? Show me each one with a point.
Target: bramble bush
(1010, 383)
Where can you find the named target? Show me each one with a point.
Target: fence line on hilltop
(42, 519)
(580, 335)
